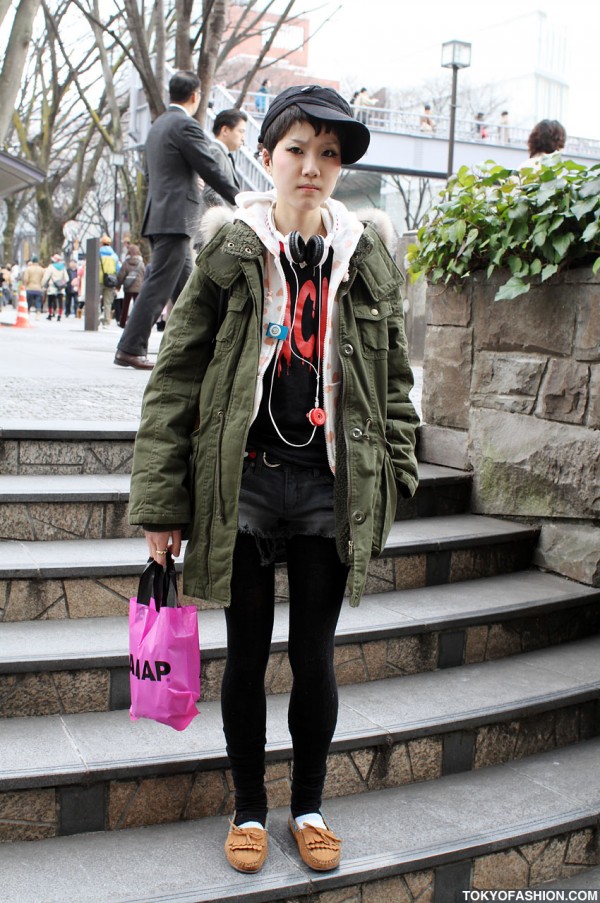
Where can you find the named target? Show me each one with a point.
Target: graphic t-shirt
(293, 382)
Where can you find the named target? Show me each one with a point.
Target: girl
(277, 426)
(54, 281)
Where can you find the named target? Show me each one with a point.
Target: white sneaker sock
(252, 824)
(311, 818)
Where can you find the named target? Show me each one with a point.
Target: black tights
(317, 580)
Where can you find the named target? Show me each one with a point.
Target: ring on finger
(161, 551)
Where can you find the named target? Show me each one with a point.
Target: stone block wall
(511, 390)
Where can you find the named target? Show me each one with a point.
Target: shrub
(535, 222)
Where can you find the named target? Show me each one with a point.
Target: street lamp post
(455, 55)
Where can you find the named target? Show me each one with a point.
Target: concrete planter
(511, 390)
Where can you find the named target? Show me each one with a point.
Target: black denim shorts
(280, 500)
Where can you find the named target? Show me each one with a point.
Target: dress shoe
(246, 848)
(319, 848)
(137, 361)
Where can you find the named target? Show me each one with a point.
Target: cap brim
(357, 136)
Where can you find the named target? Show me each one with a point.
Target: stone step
(66, 447)
(94, 506)
(83, 577)
(66, 773)
(514, 825)
(79, 665)
(588, 879)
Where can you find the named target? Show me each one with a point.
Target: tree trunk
(183, 40)
(14, 61)
(214, 15)
(152, 86)
(8, 235)
(265, 50)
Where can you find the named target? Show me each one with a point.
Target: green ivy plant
(534, 222)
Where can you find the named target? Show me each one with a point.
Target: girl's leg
(249, 622)
(317, 580)
(125, 309)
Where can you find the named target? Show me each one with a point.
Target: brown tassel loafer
(319, 847)
(246, 848)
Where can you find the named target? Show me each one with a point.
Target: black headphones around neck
(310, 253)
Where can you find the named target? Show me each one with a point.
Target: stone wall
(511, 390)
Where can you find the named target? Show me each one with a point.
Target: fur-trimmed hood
(216, 217)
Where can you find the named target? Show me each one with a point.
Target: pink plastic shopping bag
(164, 650)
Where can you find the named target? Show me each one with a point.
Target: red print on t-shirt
(303, 332)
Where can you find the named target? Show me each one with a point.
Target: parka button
(358, 517)
(356, 433)
(348, 349)
(374, 311)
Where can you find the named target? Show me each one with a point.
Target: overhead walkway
(399, 146)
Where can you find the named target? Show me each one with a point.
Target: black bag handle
(159, 583)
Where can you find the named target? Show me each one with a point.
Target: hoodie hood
(256, 210)
(343, 233)
(344, 230)
(216, 217)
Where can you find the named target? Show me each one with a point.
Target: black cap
(326, 105)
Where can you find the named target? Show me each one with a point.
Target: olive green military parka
(198, 407)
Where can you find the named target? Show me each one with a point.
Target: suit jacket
(220, 155)
(177, 152)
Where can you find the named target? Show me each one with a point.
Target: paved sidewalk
(58, 371)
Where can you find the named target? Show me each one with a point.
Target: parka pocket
(232, 320)
(372, 325)
(384, 509)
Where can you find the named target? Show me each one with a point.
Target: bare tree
(15, 57)
(184, 44)
(265, 49)
(72, 106)
(214, 21)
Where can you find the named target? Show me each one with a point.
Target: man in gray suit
(229, 129)
(177, 152)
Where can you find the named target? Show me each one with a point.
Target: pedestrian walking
(545, 140)
(261, 101)
(130, 279)
(32, 280)
(277, 426)
(229, 130)
(176, 153)
(54, 281)
(72, 289)
(108, 273)
(362, 102)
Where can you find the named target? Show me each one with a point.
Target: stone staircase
(467, 748)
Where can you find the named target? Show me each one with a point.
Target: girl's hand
(161, 543)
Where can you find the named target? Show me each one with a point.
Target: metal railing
(408, 122)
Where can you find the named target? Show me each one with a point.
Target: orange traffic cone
(23, 310)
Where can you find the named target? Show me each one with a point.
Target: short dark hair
(291, 116)
(229, 119)
(546, 137)
(182, 85)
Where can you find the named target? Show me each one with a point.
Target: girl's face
(304, 167)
